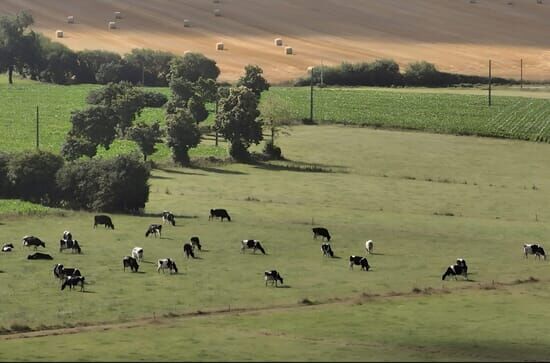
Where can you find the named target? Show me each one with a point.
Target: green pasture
(424, 199)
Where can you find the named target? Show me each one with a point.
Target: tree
(254, 80)
(277, 118)
(96, 124)
(237, 120)
(153, 65)
(75, 147)
(421, 74)
(182, 134)
(17, 45)
(89, 62)
(146, 136)
(197, 109)
(193, 66)
(56, 63)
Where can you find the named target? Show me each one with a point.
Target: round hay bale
(112, 25)
(59, 33)
(278, 42)
(217, 12)
(70, 19)
(186, 23)
(288, 50)
(187, 52)
(219, 46)
(118, 15)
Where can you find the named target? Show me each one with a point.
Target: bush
(5, 189)
(154, 99)
(239, 152)
(272, 151)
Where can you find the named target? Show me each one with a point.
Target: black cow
(154, 229)
(219, 213)
(327, 250)
(360, 261)
(129, 261)
(459, 268)
(196, 242)
(72, 281)
(251, 244)
(320, 231)
(168, 217)
(533, 249)
(272, 276)
(7, 247)
(188, 250)
(33, 241)
(61, 272)
(39, 256)
(105, 220)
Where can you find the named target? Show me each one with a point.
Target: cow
(137, 253)
(154, 229)
(188, 250)
(33, 241)
(105, 220)
(39, 256)
(72, 281)
(272, 276)
(360, 261)
(67, 235)
(69, 244)
(61, 272)
(459, 268)
(369, 246)
(128, 261)
(253, 244)
(327, 250)
(534, 249)
(168, 217)
(7, 247)
(219, 213)
(166, 263)
(320, 231)
(196, 243)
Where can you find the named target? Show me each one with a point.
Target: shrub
(5, 189)
(154, 99)
(272, 150)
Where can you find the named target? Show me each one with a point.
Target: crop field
(476, 198)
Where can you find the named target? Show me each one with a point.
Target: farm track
(171, 318)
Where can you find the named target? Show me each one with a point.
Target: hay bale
(112, 25)
(278, 42)
(217, 12)
(186, 23)
(288, 50)
(59, 33)
(70, 19)
(219, 46)
(118, 15)
(187, 52)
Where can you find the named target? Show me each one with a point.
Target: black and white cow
(188, 250)
(219, 213)
(39, 256)
(459, 268)
(166, 263)
(129, 261)
(369, 246)
(154, 229)
(7, 247)
(137, 253)
(534, 249)
(327, 250)
(253, 244)
(69, 244)
(61, 272)
(73, 281)
(33, 241)
(272, 276)
(67, 235)
(360, 261)
(168, 217)
(105, 220)
(196, 243)
(320, 231)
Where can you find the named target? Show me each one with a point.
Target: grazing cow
(272, 276)
(39, 256)
(67, 235)
(168, 217)
(360, 261)
(219, 213)
(62, 272)
(7, 247)
(72, 281)
(33, 241)
(166, 263)
(69, 244)
(188, 250)
(137, 253)
(369, 245)
(327, 250)
(154, 229)
(128, 261)
(533, 249)
(459, 268)
(320, 231)
(253, 244)
(196, 243)
(105, 220)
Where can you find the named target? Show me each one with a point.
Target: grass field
(425, 199)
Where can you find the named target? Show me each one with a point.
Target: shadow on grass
(175, 171)
(283, 287)
(159, 215)
(218, 171)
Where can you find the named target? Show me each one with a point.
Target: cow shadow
(88, 292)
(283, 287)
(150, 262)
(159, 216)
(336, 257)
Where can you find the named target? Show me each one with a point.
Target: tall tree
(182, 134)
(254, 80)
(146, 136)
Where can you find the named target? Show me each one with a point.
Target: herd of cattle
(72, 277)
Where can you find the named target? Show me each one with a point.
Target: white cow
(137, 253)
(369, 245)
(167, 263)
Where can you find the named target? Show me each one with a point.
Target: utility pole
(311, 96)
(37, 133)
(521, 73)
(490, 80)
(216, 116)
